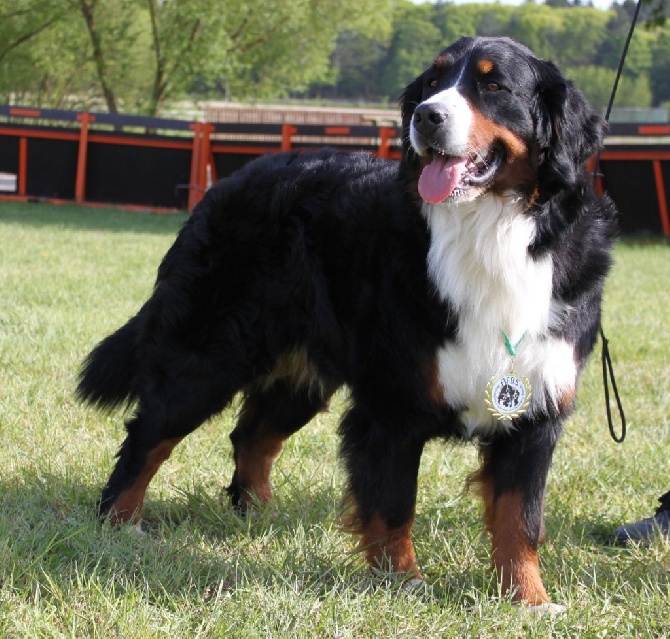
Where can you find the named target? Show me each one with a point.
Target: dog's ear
(568, 129)
(409, 100)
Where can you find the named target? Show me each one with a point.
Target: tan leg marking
(253, 463)
(514, 558)
(384, 546)
(128, 505)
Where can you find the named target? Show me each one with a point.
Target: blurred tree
(582, 34)
(36, 67)
(639, 56)
(659, 74)
(23, 20)
(495, 20)
(415, 43)
(539, 27)
(136, 55)
(456, 21)
(140, 53)
(356, 63)
(596, 84)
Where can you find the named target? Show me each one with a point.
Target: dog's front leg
(382, 464)
(512, 481)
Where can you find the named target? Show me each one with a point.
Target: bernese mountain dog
(456, 294)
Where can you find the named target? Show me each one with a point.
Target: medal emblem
(508, 396)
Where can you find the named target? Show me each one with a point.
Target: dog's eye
(493, 87)
(432, 83)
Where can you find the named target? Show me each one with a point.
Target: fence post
(591, 167)
(287, 132)
(195, 165)
(205, 159)
(662, 201)
(385, 135)
(23, 166)
(80, 182)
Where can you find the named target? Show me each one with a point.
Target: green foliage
(356, 66)
(137, 55)
(585, 41)
(414, 45)
(582, 33)
(539, 27)
(296, 40)
(70, 275)
(26, 57)
(659, 74)
(134, 55)
(455, 21)
(596, 83)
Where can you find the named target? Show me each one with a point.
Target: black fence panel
(227, 163)
(9, 154)
(51, 168)
(140, 175)
(631, 186)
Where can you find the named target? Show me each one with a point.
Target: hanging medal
(508, 395)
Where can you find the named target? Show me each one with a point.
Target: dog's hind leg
(160, 422)
(268, 417)
(123, 496)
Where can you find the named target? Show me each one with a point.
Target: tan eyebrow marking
(485, 66)
(441, 61)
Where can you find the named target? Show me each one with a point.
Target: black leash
(608, 369)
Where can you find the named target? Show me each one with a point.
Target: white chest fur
(478, 261)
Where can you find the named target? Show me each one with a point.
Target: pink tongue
(439, 179)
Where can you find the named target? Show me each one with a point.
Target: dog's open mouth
(447, 176)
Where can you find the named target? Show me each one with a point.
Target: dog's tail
(108, 375)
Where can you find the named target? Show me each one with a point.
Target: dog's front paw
(546, 608)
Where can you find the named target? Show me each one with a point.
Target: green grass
(70, 275)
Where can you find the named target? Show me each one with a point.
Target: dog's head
(488, 116)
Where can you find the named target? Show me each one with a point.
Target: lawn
(70, 275)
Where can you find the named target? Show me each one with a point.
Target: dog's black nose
(428, 117)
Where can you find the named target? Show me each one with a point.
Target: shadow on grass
(49, 533)
(44, 215)
(196, 548)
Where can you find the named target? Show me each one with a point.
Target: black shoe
(644, 531)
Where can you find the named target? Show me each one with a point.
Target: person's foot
(643, 531)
